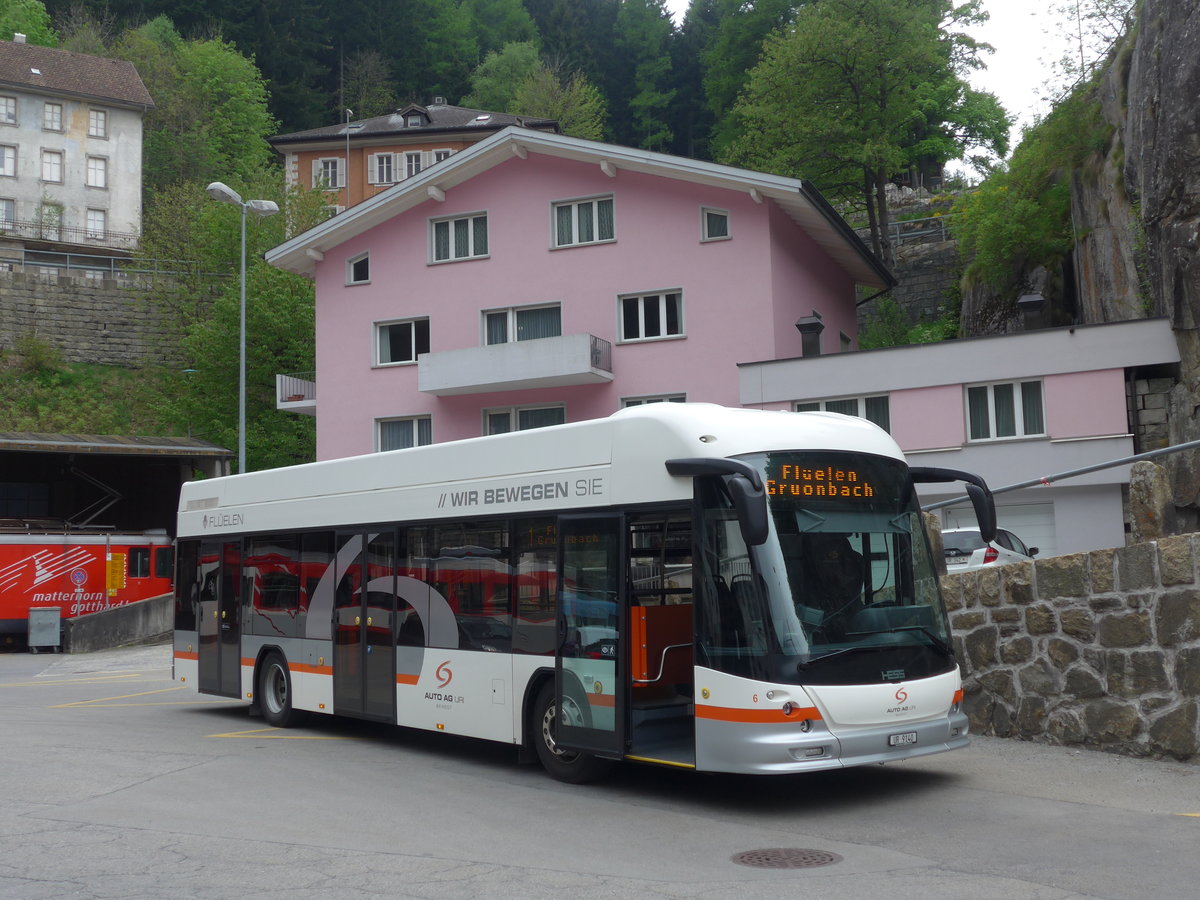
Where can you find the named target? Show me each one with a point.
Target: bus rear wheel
(570, 766)
(275, 692)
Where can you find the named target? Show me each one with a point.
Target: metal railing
(89, 265)
(601, 354)
(297, 387)
(930, 228)
(53, 231)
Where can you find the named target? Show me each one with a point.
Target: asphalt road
(119, 784)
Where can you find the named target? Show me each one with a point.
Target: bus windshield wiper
(801, 666)
(935, 639)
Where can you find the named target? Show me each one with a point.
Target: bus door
(590, 684)
(364, 668)
(219, 660)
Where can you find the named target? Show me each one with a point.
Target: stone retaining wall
(100, 321)
(1099, 649)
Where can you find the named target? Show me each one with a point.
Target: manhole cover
(786, 858)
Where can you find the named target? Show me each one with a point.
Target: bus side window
(138, 562)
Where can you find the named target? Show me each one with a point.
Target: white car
(965, 549)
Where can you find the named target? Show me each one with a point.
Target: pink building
(1013, 408)
(534, 278)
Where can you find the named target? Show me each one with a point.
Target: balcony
(571, 359)
(297, 393)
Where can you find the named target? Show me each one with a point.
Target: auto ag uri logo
(444, 674)
(901, 695)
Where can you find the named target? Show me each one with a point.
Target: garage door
(1033, 523)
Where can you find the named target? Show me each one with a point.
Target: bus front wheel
(275, 692)
(571, 766)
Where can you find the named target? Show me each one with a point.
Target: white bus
(725, 590)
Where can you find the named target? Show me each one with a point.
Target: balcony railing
(519, 365)
(297, 393)
(69, 234)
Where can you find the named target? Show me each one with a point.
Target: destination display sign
(823, 482)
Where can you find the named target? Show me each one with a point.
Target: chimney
(18, 38)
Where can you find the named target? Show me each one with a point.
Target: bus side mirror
(751, 505)
(745, 487)
(977, 490)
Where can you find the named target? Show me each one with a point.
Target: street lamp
(262, 209)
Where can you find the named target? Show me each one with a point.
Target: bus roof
(617, 460)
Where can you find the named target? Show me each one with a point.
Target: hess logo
(444, 674)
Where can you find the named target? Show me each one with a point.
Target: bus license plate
(902, 739)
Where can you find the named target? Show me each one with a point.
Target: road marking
(102, 679)
(1192, 815)
(101, 701)
(278, 734)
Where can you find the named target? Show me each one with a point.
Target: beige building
(385, 150)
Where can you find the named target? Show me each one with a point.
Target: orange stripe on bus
(248, 662)
(407, 679)
(754, 716)
(608, 700)
(958, 696)
(306, 669)
(183, 654)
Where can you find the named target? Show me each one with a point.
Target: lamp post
(262, 209)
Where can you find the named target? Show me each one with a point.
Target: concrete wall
(134, 623)
(1097, 649)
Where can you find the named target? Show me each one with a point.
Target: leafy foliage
(888, 326)
(857, 90)
(30, 18)
(1020, 217)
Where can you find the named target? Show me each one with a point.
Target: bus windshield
(844, 590)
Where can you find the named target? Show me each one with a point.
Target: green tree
(858, 90)
(495, 23)
(576, 104)
(641, 41)
(495, 81)
(30, 18)
(201, 392)
(210, 120)
(732, 49)
(368, 86)
(691, 120)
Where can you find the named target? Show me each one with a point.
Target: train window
(164, 562)
(139, 562)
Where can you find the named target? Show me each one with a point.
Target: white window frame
(52, 162)
(8, 161)
(414, 423)
(377, 162)
(414, 120)
(414, 347)
(52, 117)
(442, 153)
(92, 218)
(98, 123)
(705, 237)
(514, 416)
(576, 207)
(512, 332)
(860, 403)
(471, 249)
(663, 302)
(1021, 426)
(8, 212)
(626, 402)
(8, 110)
(414, 162)
(351, 265)
(97, 172)
(321, 166)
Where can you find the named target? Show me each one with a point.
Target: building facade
(535, 278)
(1013, 408)
(70, 147)
(356, 160)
